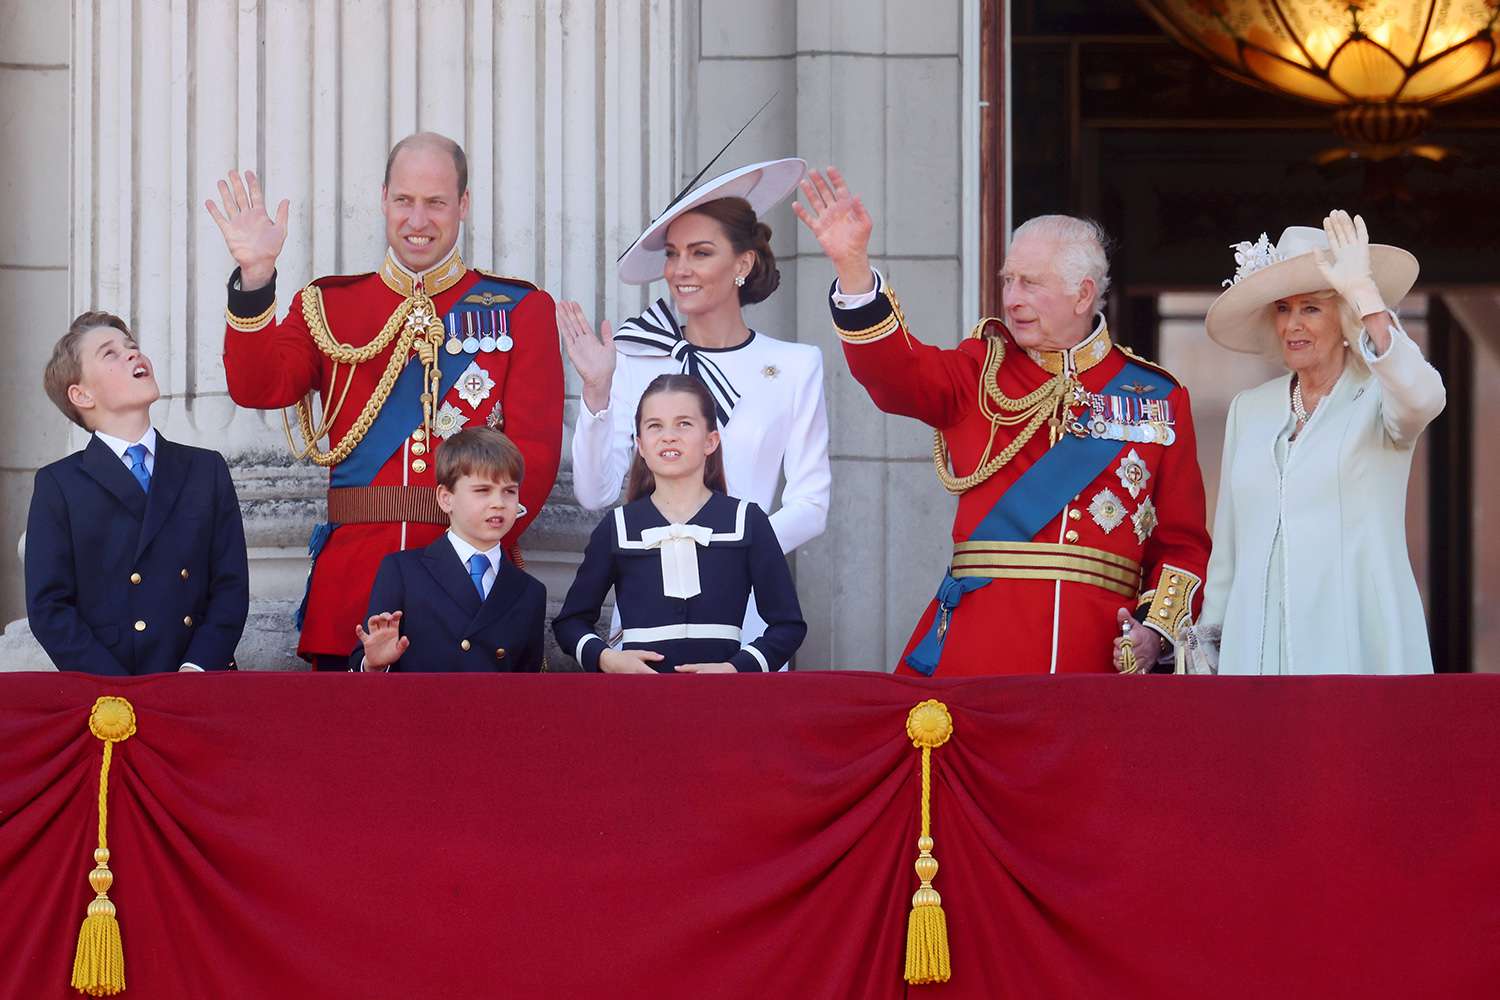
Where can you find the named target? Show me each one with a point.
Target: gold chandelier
(1382, 63)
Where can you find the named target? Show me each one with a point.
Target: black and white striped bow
(656, 332)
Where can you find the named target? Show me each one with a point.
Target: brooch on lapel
(770, 371)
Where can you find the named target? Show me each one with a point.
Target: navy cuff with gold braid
(250, 311)
(868, 322)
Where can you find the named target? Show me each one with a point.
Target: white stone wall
(580, 118)
(877, 88)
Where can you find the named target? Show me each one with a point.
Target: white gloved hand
(1345, 265)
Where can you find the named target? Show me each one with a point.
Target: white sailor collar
(724, 516)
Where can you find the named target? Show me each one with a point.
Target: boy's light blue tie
(478, 565)
(137, 456)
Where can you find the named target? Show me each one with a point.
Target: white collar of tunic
(737, 534)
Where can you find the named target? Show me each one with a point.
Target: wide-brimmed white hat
(1242, 318)
(763, 185)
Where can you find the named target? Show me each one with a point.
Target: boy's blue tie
(137, 455)
(478, 565)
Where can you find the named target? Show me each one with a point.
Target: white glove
(1345, 265)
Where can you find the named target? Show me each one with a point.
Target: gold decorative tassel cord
(928, 725)
(99, 963)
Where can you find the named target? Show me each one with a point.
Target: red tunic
(1062, 624)
(276, 365)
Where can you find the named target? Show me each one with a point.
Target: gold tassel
(99, 963)
(928, 725)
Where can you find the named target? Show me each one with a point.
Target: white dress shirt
(119, 445)
(465, 550)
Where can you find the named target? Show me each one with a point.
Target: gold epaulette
(1144, 363)
(1172, 601)
(508, 280)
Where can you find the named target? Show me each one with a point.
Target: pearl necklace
(1298, 409)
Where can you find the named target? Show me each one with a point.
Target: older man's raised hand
(842, 227)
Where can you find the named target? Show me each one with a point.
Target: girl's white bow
(678, 544)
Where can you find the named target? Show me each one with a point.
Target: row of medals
(476, 339)
(1091, 425)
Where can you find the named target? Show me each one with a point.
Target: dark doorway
(1112, 119)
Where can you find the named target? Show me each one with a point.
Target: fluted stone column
(568, 113)
(581, 118)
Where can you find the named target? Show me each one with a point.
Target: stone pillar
(34, 94)
(567, 111)
(878, 89)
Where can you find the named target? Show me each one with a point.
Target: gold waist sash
(1046, 561)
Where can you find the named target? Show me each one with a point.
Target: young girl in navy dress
(682, 557)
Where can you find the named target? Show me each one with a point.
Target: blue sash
(1032, 500)
(402, 412)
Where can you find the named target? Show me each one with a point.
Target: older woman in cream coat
(1310, 572)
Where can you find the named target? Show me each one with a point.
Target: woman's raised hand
(253, 238)
(842, 227)
(1345, 265)
(593, 357)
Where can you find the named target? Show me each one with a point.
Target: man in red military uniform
(1081, 512)
(403, 358)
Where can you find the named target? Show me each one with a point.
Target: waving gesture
(842, 227)
(384, 642)
(253, 239)
(593, 357)
(1345, 265)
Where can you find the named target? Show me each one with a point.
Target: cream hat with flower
(1242, 318)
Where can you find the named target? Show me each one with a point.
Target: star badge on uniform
(1133, 473)
(1144, 520)
(475, 384)
(496, 419)
(447, 421)
(1107, 510)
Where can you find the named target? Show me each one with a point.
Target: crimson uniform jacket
(120, 581)
(520, 390)
(1100, 548)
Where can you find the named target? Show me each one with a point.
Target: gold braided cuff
(887, 326)
(1172, 601)
(252, 324)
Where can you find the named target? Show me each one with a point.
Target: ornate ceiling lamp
(1382, 63)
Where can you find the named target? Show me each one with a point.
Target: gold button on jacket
(464, 645)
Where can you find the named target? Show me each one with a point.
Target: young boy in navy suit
(459, 604)
(135, 552)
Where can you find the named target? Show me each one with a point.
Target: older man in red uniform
(1080, 514)
(403, 358)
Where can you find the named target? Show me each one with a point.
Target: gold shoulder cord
(418, 325)
(1032, 409)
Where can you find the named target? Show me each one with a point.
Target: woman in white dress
(1310, 572)
(714, 253)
